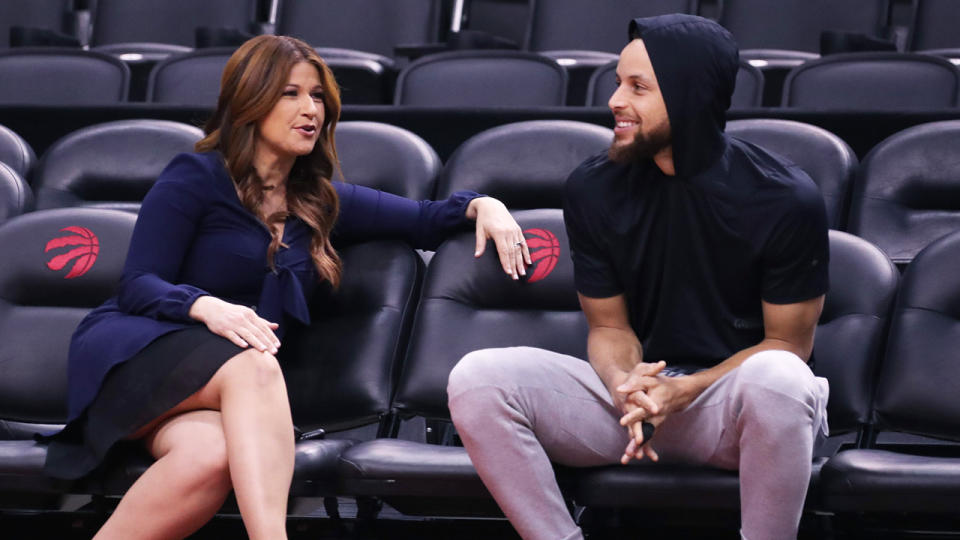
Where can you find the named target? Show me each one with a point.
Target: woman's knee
(260, 368)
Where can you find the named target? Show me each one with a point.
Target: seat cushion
(886, 481)
(21, 469)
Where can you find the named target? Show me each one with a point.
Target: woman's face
(292, 127)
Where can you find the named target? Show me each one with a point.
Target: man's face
(642, 126)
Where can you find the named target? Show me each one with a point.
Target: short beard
(642, 146)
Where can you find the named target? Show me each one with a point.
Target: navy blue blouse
(194, 237)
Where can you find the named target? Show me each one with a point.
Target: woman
(228, 246)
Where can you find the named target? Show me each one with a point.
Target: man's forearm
(613, 353)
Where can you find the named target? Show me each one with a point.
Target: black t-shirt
(694, 256)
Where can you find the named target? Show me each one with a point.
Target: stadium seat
(388, 158)
(747, 91)
(121, 25)
(15, 194)
(524, 164)
(364, 25)
(906, 194)
(110, 165)
(873, 81)
(916, 395)
(364, 78)
(582, 38)
(54, 76)
(58, 265)
(498, 313)
(16, 153)
(48, 15)
(504, 79)
(191, 78)
(796, 25)
(826, 158)
(466, 304)
(848, 345)
(935, 26)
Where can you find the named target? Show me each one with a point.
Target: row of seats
(902, 197)
(545, 25)
(379, 352)
(510, 79)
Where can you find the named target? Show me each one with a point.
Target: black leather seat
(916, 395)
(747, 92)
(58, 265)
(47, 15)
(370, 26)
(388, 158)
(110, 165)
(16, 197)
(191, 78)
(779, 29)
(163, 28)
(934, 27)
(482, 78)
(906, 194)
(524, 164)
(849, 337)
(582, 38)
(16, 153)
(873, 81)
(466, 304)
(829, 161)
(458, 297)
(54, 76)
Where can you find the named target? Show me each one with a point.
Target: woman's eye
(290, 93)
(318, 96)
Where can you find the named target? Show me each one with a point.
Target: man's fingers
(629, 452)
(643, 400)
(633, 416)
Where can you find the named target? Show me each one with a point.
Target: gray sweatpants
(518, 408)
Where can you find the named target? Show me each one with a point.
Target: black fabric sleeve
(796, 254)
(593, 269)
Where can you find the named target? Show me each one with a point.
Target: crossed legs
(518, 409)
(234, 433)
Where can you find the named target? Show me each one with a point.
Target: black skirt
(164, 373)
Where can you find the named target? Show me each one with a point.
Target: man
(701, 265)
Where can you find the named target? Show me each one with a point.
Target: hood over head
(695, 61)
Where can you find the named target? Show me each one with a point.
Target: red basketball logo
(88, 246)
(544, 252)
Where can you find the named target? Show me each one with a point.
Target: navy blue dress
(194, 237)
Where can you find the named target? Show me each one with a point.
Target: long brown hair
(252, 83)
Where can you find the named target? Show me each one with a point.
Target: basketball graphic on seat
(544, 252)
(84, 254)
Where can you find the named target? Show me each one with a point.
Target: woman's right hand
(239, 324)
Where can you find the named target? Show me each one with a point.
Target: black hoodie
(695, 253)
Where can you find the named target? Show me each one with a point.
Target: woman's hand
(494, 222)
(239, 324)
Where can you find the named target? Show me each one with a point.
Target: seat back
(469, 304)
(578, 25)
(797, 24)
(45, 14)
(53, 76)
(826, 158)
(365, 25)
(935, 24)
(484, 78)
(907, 193)
(110, 165)
(189, 79)
(16, 153)
(58, 265)
(747, 92)
(340, 369)
(850, 332)
(920, 373)
(16, 197)
(524, 164)
(873, 81)
(388, 158)
(170, 21)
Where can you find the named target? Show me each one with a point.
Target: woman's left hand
(494, 222)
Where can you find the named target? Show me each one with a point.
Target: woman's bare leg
(183, 489)
(250, 394)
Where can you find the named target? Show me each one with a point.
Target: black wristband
(647, 429)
